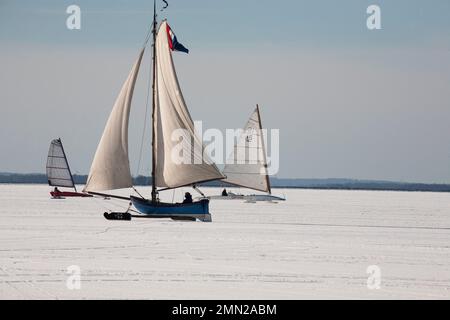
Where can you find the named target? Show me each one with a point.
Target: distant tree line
(39, 178)
(338, 184)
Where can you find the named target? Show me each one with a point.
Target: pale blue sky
(228, 23)
(349, 102)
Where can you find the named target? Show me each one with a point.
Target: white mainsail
(111, 166)
(58, 171)
(171, 114)
(247, 165)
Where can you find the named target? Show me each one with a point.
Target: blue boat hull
(177, 211)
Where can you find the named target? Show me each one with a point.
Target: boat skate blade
(117, 216)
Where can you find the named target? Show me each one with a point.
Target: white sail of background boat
(58, 171)
(247, 164)
(110, 169)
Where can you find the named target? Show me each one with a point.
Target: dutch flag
(173, 42)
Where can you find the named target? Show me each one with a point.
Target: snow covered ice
(318, 244)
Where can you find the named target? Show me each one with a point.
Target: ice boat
(247, 165)
(58, 172)
(110, 168)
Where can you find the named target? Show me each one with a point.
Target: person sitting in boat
(224, 193)
(187, 198)
(56, 190)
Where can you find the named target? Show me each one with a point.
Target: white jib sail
(58, 171)
(111, 166)
(247, 165)
(175, 133)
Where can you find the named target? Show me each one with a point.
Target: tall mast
(154, 190)
(263, 149)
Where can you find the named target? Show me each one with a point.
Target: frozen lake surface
(317, 244)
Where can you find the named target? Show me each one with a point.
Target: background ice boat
(247, 165)
(58, 172)
(230, 196)
(110, 169)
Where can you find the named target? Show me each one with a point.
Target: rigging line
(165, 5)
(198, 190)
(147, 37)
(144, 130)
(100, 202)
(131, 210)
(135, 190)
